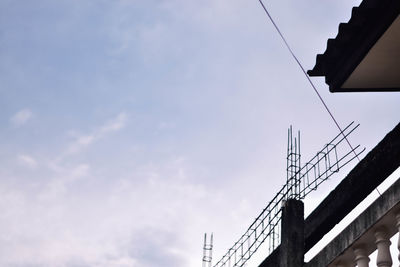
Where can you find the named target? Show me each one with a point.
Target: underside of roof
(365, 55)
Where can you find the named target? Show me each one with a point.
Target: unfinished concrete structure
(370, 231)
(363, 57)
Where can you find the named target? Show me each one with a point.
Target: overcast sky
(130, 128)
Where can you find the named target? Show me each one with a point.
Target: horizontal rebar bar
(298, 185)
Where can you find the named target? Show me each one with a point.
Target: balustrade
(384, 258)
(377, 238)
(361, 256)
(398, 229)
(368, 236)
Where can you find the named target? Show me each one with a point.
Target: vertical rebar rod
(301, 180)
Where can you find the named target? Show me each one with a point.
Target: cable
(308, 78)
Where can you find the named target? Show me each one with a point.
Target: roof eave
(354, 40)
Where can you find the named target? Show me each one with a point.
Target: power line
(305, 73)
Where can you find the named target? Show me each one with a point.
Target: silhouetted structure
(384, 214)
(301, 180)
(364, 56)
(207, 251)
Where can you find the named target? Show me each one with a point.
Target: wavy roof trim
(355, 38)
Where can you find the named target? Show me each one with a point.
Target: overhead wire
(308, 78)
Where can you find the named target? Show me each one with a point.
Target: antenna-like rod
(207, 251)
(293, 165)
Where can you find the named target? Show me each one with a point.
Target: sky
(130, 128)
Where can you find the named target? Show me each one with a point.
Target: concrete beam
(371, 171)
(382, 212)
(273, 259)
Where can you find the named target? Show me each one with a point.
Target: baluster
(361, 258)
(384, 259)
(398, 227)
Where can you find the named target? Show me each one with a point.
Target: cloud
(80, 171)
(21, 117)
(114, 125)
(154, 247)
(27, 160)
(118, 227)
(82, 141)
(65, 177)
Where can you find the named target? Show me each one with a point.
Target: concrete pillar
(292, 233)
(361, 259)
(398, 228)
(384, 258)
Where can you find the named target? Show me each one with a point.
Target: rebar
(300, 182)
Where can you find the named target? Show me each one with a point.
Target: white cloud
(64, 177)
(115, 228)
(27, 160)
(116, 124)
(82, 141)
(80, 171)
(21, 117)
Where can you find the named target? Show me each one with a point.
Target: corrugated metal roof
(354, 39)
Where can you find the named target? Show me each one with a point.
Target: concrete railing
(359, 236)
(376, 238)
(370, 231)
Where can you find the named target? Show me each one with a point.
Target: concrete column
(292, 232)
(398, 228)
(384, 259)
(362, 259)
